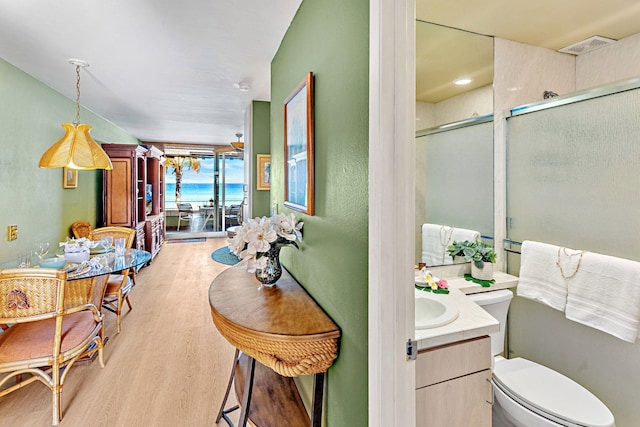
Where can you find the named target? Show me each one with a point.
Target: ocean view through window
(197, 188)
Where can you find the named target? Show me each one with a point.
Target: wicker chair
(46, 337)
(81, 229)
(119, 285)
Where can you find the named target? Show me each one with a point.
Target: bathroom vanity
(453, 365)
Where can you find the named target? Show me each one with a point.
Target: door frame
(391, 389)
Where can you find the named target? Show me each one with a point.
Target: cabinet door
(119, 206)
(461, 402)
(452, 361)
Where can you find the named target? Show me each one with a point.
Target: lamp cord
(77, 121)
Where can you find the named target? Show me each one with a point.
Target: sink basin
(434, 310)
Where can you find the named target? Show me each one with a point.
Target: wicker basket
(484, 273)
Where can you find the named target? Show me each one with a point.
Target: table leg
(248, 388)
(204, 224)
(316, 408)
(222, 413)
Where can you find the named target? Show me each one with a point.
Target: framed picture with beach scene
(298, 148)
(69, 178)
(264, 172)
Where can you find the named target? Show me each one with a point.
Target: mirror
(454, 142)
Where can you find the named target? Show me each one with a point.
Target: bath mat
(224, 256)
(196, 239)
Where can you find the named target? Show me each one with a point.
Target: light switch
(12, 232)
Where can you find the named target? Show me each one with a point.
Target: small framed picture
(299, 147)
(264, 172)
(69, 178)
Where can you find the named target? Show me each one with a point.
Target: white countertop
(472, 320)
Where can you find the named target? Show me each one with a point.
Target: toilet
(527, 394)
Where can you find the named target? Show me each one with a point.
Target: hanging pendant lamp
(76, 149)
(237, 145)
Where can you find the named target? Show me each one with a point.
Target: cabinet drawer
(460, 402)
(452, 360)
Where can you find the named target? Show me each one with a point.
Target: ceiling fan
(236, 146)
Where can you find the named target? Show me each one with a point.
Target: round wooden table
(284, 330)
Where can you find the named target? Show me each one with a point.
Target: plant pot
(484, 273)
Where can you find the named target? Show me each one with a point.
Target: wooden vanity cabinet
(453, 384)
(133, 193)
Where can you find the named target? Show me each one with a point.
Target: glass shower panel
(573, 175)
(456, 178)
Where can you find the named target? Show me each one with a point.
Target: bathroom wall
(425, 115)
(475, 103)
(618, 61)
(331, 39)
(31, 115)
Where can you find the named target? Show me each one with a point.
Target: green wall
(31, 115)
(260, 144)
(330, 38)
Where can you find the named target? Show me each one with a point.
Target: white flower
(250, 263)
(260, 235)
(287, 227)
(238, 243)
(256, 236)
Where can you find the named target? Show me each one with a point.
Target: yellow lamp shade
(76, 150)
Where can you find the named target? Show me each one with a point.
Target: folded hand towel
(462, 234)
(434, 244)
(436, 238)
(540, 278)
(605, 294)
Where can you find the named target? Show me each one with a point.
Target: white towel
(540, 278)
(433, 252)
(462, 234)
(436, 238)
(605, 294)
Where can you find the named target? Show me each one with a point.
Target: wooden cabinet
(133, 193)
(453, 385)
(154, 233)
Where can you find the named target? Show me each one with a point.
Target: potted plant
(481, 255)
(456, 251)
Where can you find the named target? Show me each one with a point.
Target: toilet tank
(496, 303)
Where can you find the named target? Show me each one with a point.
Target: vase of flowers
(258, 242)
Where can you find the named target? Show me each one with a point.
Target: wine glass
(107, 242)
(42, 249)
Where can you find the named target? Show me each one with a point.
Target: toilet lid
(550, 394)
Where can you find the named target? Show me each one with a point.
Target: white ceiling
(164, 70)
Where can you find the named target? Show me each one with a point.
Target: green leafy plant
(457, 248)
(478, 252)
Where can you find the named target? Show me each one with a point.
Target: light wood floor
(168, 367)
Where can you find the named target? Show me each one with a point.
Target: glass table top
(99, 264)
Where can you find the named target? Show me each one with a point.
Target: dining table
(211, 213)
(87, 281)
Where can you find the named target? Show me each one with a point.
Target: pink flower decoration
(442, 284)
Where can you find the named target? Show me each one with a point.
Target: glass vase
(270, 274)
